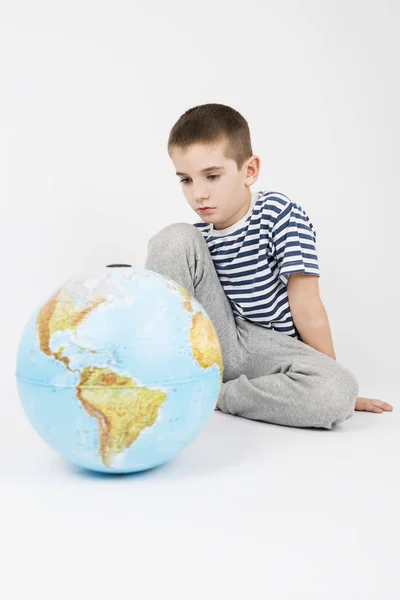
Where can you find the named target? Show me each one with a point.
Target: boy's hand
(371, 405)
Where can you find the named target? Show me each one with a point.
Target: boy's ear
(253, 168)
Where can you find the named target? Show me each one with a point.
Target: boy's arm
(309, 314)
(311, 320)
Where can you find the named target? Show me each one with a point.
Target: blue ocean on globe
(119, 370)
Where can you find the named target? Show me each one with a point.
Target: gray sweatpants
(268, 376)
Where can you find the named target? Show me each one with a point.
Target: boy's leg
(268, 376)
(287, 382)
(180, 252)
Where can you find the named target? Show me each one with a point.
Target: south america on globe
(119, 370)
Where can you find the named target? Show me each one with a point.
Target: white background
(89, 91)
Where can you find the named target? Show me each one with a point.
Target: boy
(252, 265)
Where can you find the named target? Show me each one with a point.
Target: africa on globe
(119, 370)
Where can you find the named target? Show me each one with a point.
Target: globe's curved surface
(119, 370)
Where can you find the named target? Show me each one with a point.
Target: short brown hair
(210, 123)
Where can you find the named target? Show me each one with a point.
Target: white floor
(248, 511)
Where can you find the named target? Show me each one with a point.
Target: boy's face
(220, 195)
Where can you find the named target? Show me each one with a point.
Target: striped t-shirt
(255, 257)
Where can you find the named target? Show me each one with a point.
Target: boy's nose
(200, 196)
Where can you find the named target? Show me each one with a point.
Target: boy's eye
(215, 176)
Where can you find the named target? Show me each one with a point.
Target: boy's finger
(382, 405)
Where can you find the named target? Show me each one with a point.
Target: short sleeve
(293, 243)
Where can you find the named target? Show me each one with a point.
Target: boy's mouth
(206, 209)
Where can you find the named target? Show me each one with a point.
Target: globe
(119, 369)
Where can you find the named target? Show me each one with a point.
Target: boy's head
(214, 135)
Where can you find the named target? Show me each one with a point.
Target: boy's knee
(174, 234)
(338, 395)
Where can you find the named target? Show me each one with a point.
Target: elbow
(310, 313)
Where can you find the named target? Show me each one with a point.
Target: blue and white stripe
(255, 257)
